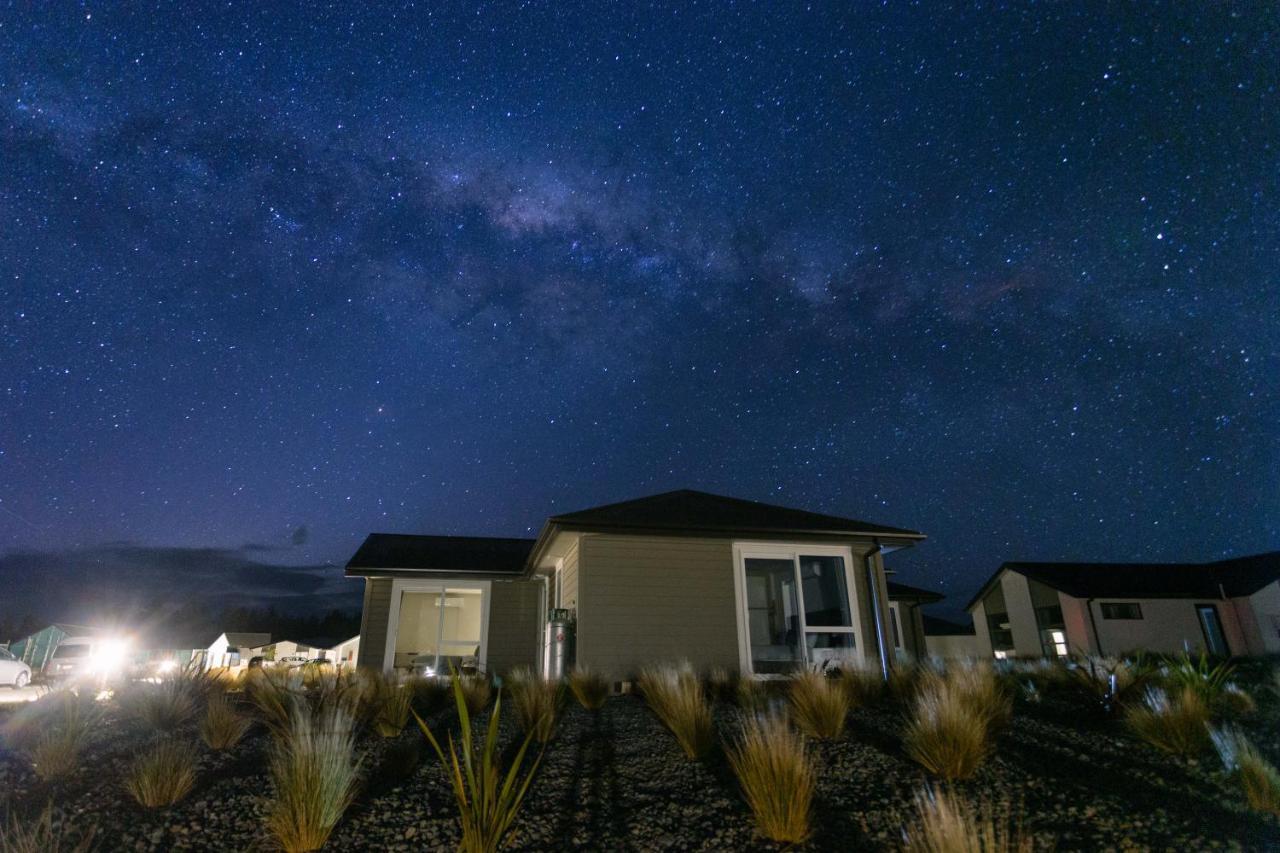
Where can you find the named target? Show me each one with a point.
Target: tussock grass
(819, 705)
(537, 703)
(945, 823)
(428, 694)
(752, 695)
(905, 681)
(777, 776)
(1258, 778)
(488, 798)
(162, 775)
(315, 771)
(863, 685)
(272, 698)
(954, 720)
(62, 724)
(589, 688)
(676, 696)
(163, 706)
(394, 704)
(1176, 724)
(222, 726)
(476, 691)
(40, 836)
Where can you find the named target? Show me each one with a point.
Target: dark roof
(691, 511)
(936, 627)
(246, 640)
(905, 592)
(1236, 577)
(445, 554)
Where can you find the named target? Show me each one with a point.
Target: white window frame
(399, 586)
(743, 551)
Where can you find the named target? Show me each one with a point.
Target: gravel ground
(616, 780)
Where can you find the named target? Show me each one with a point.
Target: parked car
(13, 672)
(293, 660)
(88, 658)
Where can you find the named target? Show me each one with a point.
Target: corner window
(796, 608)
(1001, 633)
(1126, 610)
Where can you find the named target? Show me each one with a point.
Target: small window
(1049, 617)
(1127, 610)
(1001, 633)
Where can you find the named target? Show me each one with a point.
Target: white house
(233, 650)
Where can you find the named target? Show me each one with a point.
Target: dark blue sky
(272, 278)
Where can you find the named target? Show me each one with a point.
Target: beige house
(1230, 607)
(717, 581)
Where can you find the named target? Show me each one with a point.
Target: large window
(439, 630)
(798, 609)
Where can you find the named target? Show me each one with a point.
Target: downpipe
(876, 615)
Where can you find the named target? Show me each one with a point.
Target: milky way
(276, 277)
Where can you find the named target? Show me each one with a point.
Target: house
(1229, 607)
(281, 649)
(906, 620)
(343, 654)
(685, 575)
(232, 650)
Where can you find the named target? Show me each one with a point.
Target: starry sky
(275, 276)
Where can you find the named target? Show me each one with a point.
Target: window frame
(743, 551)
(1137, 607)
(399, 586)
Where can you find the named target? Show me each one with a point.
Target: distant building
(947, 640)
(233, 650)
(1229, 607)
(37, 649)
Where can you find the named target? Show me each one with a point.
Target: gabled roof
(390, 552)
(1236, 577)
(938, 627)
(692, 511)
(904, 592)
(245, 640)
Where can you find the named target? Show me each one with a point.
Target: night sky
(272, 278)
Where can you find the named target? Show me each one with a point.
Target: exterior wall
(374, 618)
(1264, 606)
(981, 631)
(1022, 615)
(646, 600)
(569, 577)
(955, 646)
(1168, 625)
(911, 631)
(862, 597)
(515, 608)
(1079, 629)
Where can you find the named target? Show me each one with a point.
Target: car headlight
(109, 656)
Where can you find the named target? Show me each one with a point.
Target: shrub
(475, 691)
(676, 697)
(1176, 724)
(1108, 681)
(752, 695)
(1258, 777)
(40, 836)
(945, 823)
(537, 702)
(1234, 701)
(947, 734)
(66, 723)
(393, 710)
(488, 799)
(777, 776)
(589, 688)
(427, 695)
(314, 770)
(222, 726)
(164, 706)
(818, 705)
(162, 775)
(904, 682)
(984, 692)
(274, 701)
(863, 685)
(1209, 681)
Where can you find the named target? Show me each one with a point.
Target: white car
(13, 672)
(293, 660)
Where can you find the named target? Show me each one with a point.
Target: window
(1001, 633)
(438, 630)
(1053, 642)
(1049, 617)
(1124, 610)
(894, 628)
(796, 608)
(5, 654)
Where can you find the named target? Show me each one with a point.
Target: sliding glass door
(798, 609)
(439, 630)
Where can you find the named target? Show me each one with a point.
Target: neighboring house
(716, 581)
(233, 649)
(1229, 607)
(36, 650)
(906, 624)
(344, 654)
(947, 640)
(281, 649)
